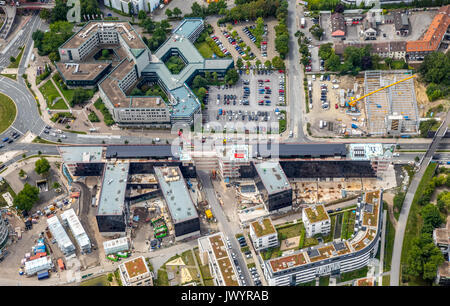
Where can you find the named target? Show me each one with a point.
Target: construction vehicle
(353, 101)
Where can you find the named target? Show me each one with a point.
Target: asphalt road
(403, 218)
(224, 224)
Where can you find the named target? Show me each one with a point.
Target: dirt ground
(289, 243)
(423, 104)
(336, 118)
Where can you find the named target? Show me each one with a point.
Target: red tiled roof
(434, 34)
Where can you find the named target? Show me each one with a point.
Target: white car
(291, 134)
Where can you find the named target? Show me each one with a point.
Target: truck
(43, 275)
(302, 22)
(213, 173)
(61, 264)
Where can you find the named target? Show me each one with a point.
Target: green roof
(263, 228)
(319, 214)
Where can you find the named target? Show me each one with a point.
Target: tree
(316, 31)
(169, 13)
(177, 12)
(424, 257)
(59, 12)
(239, 63)
(201, 92)
(22, 173)
(27, 197)
(56, 185)
(231, 77)
(199, 81)
(339, 8)
(268, 64)
(42, 166)
(45, 14)
(12, 59)
(197, 10)
(142, 15)
(430, 215)
(258, 63)
(325, 51)
(79, 96)
(278, 63)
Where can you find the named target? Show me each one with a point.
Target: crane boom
(353, 102)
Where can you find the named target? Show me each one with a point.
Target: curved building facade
(335, 257)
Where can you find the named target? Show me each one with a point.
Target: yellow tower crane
(354, 101)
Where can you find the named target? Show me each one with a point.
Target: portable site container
(116, 245)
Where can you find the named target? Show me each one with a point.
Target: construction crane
(353, 102)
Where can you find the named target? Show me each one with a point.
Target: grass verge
(8, 112)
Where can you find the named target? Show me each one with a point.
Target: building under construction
(392, 110)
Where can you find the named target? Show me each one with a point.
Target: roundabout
(8, 112)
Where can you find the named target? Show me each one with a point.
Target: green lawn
(4, 187)
(204, 49)
(414, 223)
(40, 140)
(11, 76)
(386, 280)
(18, 58)
(354, 274)
(96, 281)
(50, 94)
(7, 112)
(163, 279)
(188, 258)
(388, 244)
(324, 281)
(290, 230)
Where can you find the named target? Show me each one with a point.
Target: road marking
(11, 42)
(17, 130)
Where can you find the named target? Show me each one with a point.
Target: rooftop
(316, 213)
(81, 71)
(444, 270)
(136, 267)
(300, 150)
(77, 154)
(442, 236)
(434, 34)
(141, 151)
(283, 263)
(272, 177)
(223, 260)
(175, 193)
(368, 281)
(112, 195)
(124, 29)
(263, 227)
(188, 26)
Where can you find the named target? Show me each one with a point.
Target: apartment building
(316, 220)
(215, 254)
(135, 272)
(263, 234)
(431, 40)
(334, 257)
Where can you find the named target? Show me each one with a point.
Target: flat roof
(77, 154)
(263, 227)
(223, 260)
(81, 71)
(316, 213)
(291, 261)
(176, 194)
(140, 151)
(313, 150)
(365, 151)
(136, 267)
(188, 26)
(272, 177)
(124, 29)
(112, 195)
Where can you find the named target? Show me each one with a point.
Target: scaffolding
(392, 111)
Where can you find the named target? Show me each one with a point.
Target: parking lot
(255, 98)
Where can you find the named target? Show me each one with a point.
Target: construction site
(379, 103)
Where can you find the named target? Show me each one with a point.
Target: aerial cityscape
(145, 143)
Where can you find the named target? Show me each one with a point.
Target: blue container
(43, 275)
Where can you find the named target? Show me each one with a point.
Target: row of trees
(425, 257)
(159, 31)
(281, 30)
(59, 12)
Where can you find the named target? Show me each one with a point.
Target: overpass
(10, 12)
(403, 218)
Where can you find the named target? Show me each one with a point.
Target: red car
(267, 87)
(336, 106)
(267, 80)
(281, 91)
(264, 42)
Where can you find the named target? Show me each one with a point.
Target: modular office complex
(70, 218)
(60, 235)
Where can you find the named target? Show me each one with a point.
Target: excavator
(353, 101)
